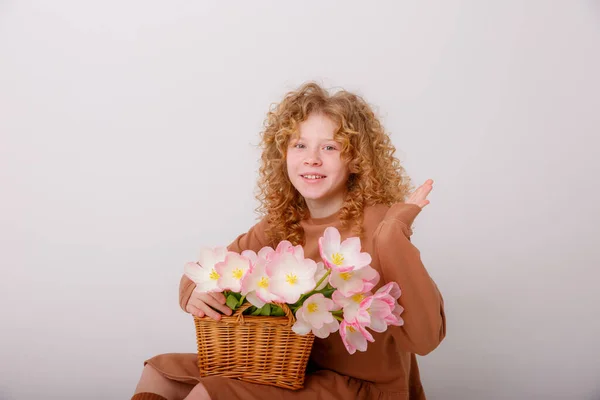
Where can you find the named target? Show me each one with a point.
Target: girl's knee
(151, 372)
(199, 392)
(153, 381)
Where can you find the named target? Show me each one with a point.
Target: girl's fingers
(219, 297)
(222, 308)
(207, 304)
(423, 191)
(210, 312)
(194, 311)
(211, 301)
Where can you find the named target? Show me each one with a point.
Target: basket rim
(248, 319)
(240, 317)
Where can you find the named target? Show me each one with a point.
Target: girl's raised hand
(419, 196)
(201, 304)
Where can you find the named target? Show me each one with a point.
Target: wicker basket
(256, 349)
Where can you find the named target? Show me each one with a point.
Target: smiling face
(315, 166)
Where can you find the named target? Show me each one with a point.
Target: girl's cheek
(293, 157)
(332, 157)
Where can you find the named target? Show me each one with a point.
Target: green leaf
(299, 302)
(328, 292)
(257, 311)
(232, 301)
(266, 310)
(277, 311)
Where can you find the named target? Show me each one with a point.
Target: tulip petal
(255, 300)
(301, 327)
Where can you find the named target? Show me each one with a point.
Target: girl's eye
(328, 147)
(299, 146)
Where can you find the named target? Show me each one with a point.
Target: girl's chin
(312, 196)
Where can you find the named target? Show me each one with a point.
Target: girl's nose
(312, 160)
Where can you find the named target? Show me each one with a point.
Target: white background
(128, 141)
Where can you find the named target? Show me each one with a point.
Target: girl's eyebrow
(323, 140)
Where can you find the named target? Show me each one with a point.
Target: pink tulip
(394, 318)
(374, 310)
(349, 304)
(378, 311)
(231, 271)
(290, 275)
(354, 336)
(255, 285)
(344, 256)
(392, 289)
(354, 281)
(203, 273)
(315, 314)
(286, 247)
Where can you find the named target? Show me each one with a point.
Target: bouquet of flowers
(324, 297)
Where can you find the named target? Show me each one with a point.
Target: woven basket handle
(246, 305)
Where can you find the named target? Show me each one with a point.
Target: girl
(326, 161)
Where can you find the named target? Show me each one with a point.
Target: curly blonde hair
(376, 176)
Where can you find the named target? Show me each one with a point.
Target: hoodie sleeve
(254, 239)
(400, 261)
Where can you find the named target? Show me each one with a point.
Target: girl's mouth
(312, 177)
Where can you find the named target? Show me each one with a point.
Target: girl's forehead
(317, 127)
(295, 136)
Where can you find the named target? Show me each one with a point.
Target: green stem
(338, 317)
(307, 295)
(322, 279)
(300, 301)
